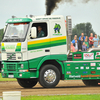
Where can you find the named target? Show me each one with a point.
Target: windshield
(15, 32)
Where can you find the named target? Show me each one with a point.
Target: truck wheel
(27, 83)
(90, 82)
(49, 76)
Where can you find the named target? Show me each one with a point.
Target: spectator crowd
(84, 43)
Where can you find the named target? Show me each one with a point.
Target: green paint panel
(34, 62)
(18, 48)
(14, 67)
(3, 48)
(82, 70)
(47, 44)
(37, 45)
(58, 41)
(18, 20)
(58, 44)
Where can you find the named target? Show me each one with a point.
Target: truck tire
(49, 76)
(90, 82)
(27, 83)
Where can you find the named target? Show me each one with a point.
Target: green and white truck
(46, 59)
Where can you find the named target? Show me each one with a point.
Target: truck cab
(24, 53)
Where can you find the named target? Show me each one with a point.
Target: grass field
(62, 97)
(6, 79)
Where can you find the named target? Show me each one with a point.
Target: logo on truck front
(10, 47)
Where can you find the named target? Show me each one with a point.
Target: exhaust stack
(69, 31)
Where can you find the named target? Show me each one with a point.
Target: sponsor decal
(76, 67)
(85, 72)
(87, 67)
(92, 68)
(15, 20)
(93, 64)
(85, 64)
(68, 64)
(82, 67)
(57, 34)
(74, 76)
(97, 55)
(57, 28)
(36, 51)
(93, 72)
(98, 68)
(68, 72)
(90, 76)
(23, 48)
(48, 18)
(97, 58)
(10, 47)
(88, 56)
(77, 56)
(76, 72)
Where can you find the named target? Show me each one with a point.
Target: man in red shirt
(91, 40)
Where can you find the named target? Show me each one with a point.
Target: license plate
(11, 76)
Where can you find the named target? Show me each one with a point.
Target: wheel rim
(50, 76)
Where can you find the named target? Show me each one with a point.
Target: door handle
(47, 50)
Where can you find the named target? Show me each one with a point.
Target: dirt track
(64, 87)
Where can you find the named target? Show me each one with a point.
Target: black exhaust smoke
(53, 4)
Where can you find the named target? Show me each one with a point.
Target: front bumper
(15, 70)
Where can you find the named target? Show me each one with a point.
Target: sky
(80, 12)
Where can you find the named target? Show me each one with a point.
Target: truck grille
(11, 56)
(11, 67)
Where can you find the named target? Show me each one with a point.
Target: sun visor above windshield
(17, 20)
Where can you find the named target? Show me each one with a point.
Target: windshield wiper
(15, 36)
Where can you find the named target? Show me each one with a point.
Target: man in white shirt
(96, 41)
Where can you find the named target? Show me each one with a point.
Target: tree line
(85, 28)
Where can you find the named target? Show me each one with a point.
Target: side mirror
(33, 32)
(4, 29)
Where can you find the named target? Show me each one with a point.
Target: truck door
(58, 38)
(40, 46)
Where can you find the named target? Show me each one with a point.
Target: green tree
(1, 34)
(85, 28)
(99, 36)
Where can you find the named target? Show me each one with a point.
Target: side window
(41, 29)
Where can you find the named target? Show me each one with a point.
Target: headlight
(3, 66)
(22, 66)
(2, 70)
(20, 75)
